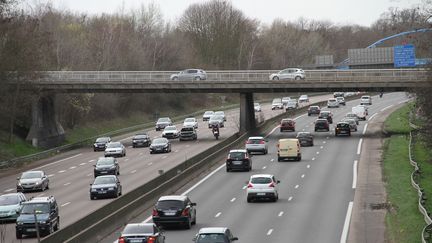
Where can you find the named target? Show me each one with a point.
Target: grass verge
(404, 222)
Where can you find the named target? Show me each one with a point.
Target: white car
(170, 132)
(115, 149)
(262, 186)
(366, 100)
(341, 100)
(360, 112)
(366, 109)
(257, 144)
(304, 99)
(332, 102)
(351, 115)
(277, 104)
(292, 104)
(190, 122)
(285, 100)
(257, 107)
(289, 73)
(220, 113)
(207, 115)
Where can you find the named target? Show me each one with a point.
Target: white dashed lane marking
(82, 164)
(218, 214)
(324, 141)
(9, 190)
(280, 214)
(302, 176)
(164, 157)
(233, 199)
(317, 152)
(73, 167)
(270, 232)
(313, 158)
(296, 186)
(264, 167)
(244, 187)
(65, 204)
(321, 147)
(91, 160)
(89, 174)
(132, 172)
(67, 184)
(61, 171)
(272, 160)
(290, 198)
(150, 163)
(308, 166)
(50, 175)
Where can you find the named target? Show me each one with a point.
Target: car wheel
(118, 172)
(18, 235)
(297, 78)
(188, 224)
(275, 78)
(50, 229)
(57, 226)
(194, 221)
(228, 169)
(279, 159)
(249, 200)
(299, 158)
(197, 78)
(175, 79)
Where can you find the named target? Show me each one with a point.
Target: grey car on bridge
(288, 74)
(190, 74)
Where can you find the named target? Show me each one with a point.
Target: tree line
(210, 35)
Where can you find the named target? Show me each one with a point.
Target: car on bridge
(162, 123)
(262, 186)
(141, 139)
(174, 210)
(141, 232)
(238, 159)
(170, 132)
(10, 206)
(214, 235)
(160, 145)
(338, 94)
(106, 166)
(105, 186)
(288, 74)
(32, 181)
(100, 143)
(190, 74)
(116, 149)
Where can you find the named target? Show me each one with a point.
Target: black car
(106, 166)
(140, 233)
(326, 115)
(239, 159)
(343, 128)
(162, 123)
(314, 110)
(105, 186)
(322, 124)
(100, 143)
(174, 210)
(141, 140)
(160, 145)
(47, 216)
(188, 133)
(305, 138)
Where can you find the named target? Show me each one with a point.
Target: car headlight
(95, 145)
(19, 184)
(38, 182)
(111, 188)
(93, 190)
(19, 223)
(166, 146)
(42, 222)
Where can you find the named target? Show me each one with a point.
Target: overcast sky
(362, 12)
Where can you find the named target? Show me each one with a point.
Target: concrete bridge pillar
(247, 112)
(45, 131)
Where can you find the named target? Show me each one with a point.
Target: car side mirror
(193, 204)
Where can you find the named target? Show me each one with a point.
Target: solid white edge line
(354, 184)
(371, 117)
(385, 108)
(359, 146)
(53, 163)
(365, 128)
(347, 223)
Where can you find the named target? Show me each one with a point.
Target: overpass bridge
(46, 130)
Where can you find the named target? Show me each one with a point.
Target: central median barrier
(105, 220)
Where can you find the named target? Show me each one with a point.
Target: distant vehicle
(100, 143)
(313, 109)
(352, 123)
(190, 74)
(10, 206)
(173, 209)
(285, 100)
(220, 113)
(347, 94)
(326, 115)
(239, 159)
(338, 94)
(141, 232)
(366, 109)
(352, 116)
(188, 133)
(262, 186)
(277, 104)
(287, 125)
(304, 99)
(116, 149)
(32, 181)
(47, 215)
(288, 74)
(257, 107)
(257, 144)
(214, 235)
(160, 145)
(305, 138)
(366, 100)
(142, 139)
(292, 104)
(162, 123)
(332, 103)
(289, 148)
(207, 115)
(360, 112)
(106, 166)
(342, 128)
(341, 100)
(190, 122)
(216, 120)
(322, 124)
(105, 186)
(170, 132)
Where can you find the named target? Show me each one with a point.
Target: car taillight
(248, 142)
(262, 142)
(185, 212)
(272, 185)
(249, 185)
(151, 239)
(155, 212)
(121, 240)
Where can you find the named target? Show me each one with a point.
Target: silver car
(288, 74)
(257, 144)
(32, 180)
(207, 115)
(352, 116)
(216, 120)
(351, 122)
(190, 122)
(332, 103)
(10, 206)
(220, 113)
(190, 74)
(115, 149)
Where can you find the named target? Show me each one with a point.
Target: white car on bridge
(288, 74)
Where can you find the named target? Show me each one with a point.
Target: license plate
(261, 194)
(102, 192)
(237, 162)
(31, 230)
(135, 241)
(170, 213)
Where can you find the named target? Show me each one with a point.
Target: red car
(287, 125)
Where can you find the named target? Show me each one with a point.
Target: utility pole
(37, 226)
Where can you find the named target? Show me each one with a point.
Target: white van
(360, 112)
(289, 148)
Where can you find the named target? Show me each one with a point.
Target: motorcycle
(381, 94)
(215, 131)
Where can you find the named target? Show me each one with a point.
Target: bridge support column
(247, 112)
(45, 131)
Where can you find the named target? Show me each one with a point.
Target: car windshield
(187, 129)
(113, 145)
(321, 121)
(170, 128)
(189, 120)
(261, 180)
(38, 208)
(31, 175)
(343, 125)
(138, 229)
(314, 107)
(140, 136)
(254, 141)
(6, 200)
(169, 204)
(237, 155)
(159, 141)
(215, 118)
(287, 121)
(208, 113)
(105, 161)
(303, 135)
(324, 114)
(164, 119)
(101, 180)
(211, 238)
(102, 140)
(220, 113)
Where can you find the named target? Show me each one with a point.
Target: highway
(315, 194)
(70, 176)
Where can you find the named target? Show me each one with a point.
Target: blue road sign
(404, 56)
